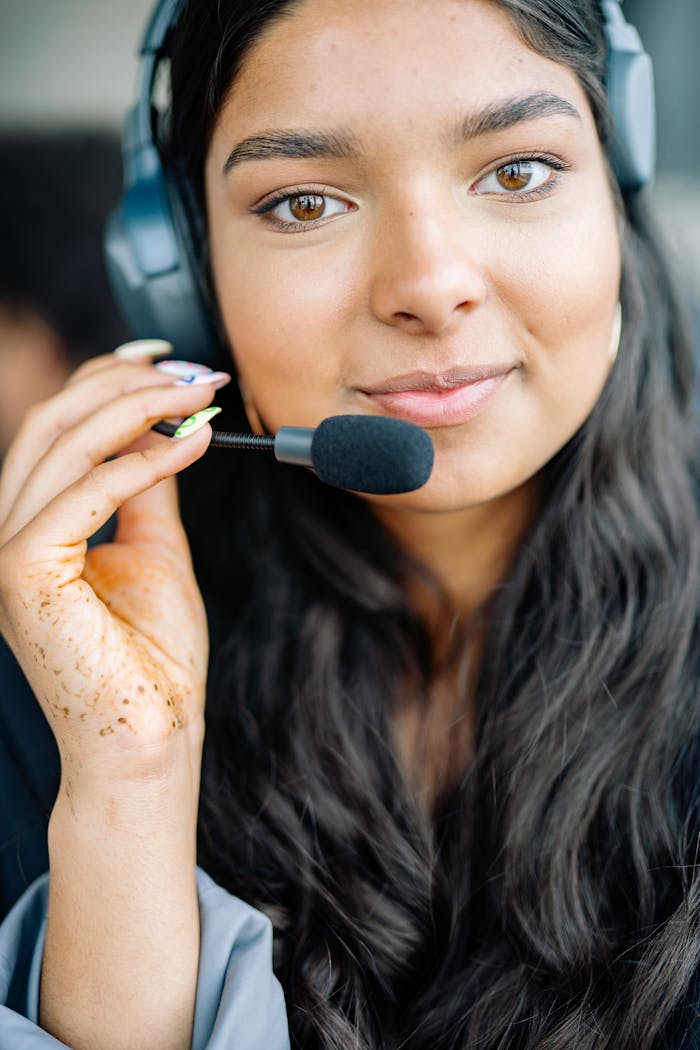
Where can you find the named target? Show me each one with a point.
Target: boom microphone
(373, 454)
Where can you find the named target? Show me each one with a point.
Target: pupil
(307, 206)
(514, 176)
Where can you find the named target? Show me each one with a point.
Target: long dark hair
(553, 898)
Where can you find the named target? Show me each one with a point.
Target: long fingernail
(143, 349)
(194, 423)
(215, 379)
(182, 368)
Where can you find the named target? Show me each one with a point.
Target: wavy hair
(553, 898)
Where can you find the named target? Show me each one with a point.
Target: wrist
(120, 963)
(142, 772)
(145, 801)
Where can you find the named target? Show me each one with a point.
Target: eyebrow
(340, 145)
(334, 144)
(513, 111)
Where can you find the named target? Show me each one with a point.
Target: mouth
(439, 399)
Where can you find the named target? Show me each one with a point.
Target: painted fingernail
(182, 368)
(196, 422)
(215, 379)
(143, 349)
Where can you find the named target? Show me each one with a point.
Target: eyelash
(524, 196)
(267, 206)
(284, 225)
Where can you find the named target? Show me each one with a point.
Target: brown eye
(515, 176)
(296, 212)
(524, 179)
(307, 206)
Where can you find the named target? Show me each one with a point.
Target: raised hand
(112, 639)
(113, 642)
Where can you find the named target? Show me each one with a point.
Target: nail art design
(143, 349)
(182, 368)
(196, 422)
(215, 379)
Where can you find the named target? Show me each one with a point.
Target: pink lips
(439, 400)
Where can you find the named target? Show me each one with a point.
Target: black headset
(150, 242)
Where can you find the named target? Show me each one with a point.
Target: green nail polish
(196, 422)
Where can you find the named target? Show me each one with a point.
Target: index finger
(46, 421)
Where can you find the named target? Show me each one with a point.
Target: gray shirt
(239, 1000)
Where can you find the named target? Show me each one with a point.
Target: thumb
(152, 516)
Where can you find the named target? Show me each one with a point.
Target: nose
(426, 269)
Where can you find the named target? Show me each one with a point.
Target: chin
(440, 495)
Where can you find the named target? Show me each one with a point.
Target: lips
(439, 382)
(439, 399)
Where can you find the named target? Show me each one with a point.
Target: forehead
(330, 61)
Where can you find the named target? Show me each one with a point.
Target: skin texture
(114, 644)
(421, 263)
(418, 265)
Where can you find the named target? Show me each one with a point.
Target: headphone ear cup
(631, 93)
(152, 264)
(630, 90)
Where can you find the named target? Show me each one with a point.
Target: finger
(105, 433)
(153, 516)
(150, 524)
(89, 367)
(46, 421)
(51, 547)
(140, 351)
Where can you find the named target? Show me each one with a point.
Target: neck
(468, 551)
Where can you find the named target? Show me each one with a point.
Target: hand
(112, 640)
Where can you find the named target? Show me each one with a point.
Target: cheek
(283, 315)
(566, 305)
(555, 293)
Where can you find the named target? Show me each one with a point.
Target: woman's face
(410, 215)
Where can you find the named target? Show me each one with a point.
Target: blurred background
(68, 63)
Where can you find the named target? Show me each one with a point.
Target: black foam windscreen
(373, 454)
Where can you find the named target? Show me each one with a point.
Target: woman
(452, 734)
